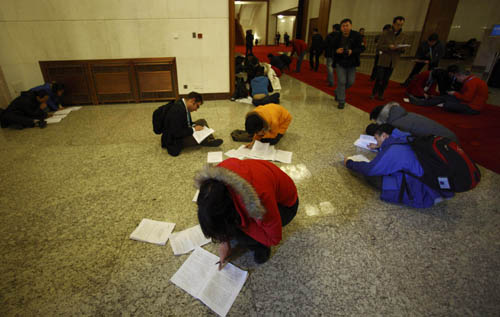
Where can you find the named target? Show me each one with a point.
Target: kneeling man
(267, 123)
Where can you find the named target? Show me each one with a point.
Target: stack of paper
(62, 112)
(201, 278)
(153, 231)
(54, 119)
(358, 158)
(364, 141)
(187, 240)
(261, 151)
(201, 135)
(74, 108)
(214, 157)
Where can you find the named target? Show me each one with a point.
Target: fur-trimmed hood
(239, 185)
(390, 112)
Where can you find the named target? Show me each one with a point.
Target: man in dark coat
(179, 127)
(315, 50)
(26, 111)
(330, 53)
(428, 53)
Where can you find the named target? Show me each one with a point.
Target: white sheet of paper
(75, 108)
(365, 140)
(214, 157)
(406, 100)
(153, 231)
(243, 151)
(283, 156)
(187, 240)
(55, 119)
(195, 198)
(62, 116)
(359, 158)
(247, 100)
(200, 277)
(60, 112)
(234, 153)
(201, 135)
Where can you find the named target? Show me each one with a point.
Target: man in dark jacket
(347, 47)
(315, 50)
(26, 111)
(428, 53)
(179, 127)
(249, 43)
(330, 53)
(418, 125)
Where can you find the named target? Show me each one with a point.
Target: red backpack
(446, 166)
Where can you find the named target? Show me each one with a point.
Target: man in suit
(26, 111)
(179, 127)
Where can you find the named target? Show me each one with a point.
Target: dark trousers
(16, 120)
(382, 80)
(286, 214)
(374, 69)
(450, 103)
(274, 98)
(249, 50)
(314, 55)
(272, 141)
(191, 141)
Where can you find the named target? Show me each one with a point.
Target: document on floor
(201, 135)
(153, 231)
(187, 240)
(60, 112)
(364, 141)
(195, 198)
(61, 116)
(359, 158)
(201, 278)
(74, 108)
(265, 151)
(214, 157)
(55, 119)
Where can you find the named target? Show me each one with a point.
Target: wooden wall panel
(439, 18)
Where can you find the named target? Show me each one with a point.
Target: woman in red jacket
(246, 200)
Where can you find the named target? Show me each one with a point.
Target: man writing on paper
(267, 123)
(248, 201)
(26, 111)
(177, 127)
(390, 171)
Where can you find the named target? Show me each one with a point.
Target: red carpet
(479, 135)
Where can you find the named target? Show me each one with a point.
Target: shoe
(341, 105)
(380, 98)
(261, 255)
(42, 124)
(336, 99)
(212, 143)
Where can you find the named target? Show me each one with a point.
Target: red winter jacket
(299, 46)
(257, 187)
(416, 87)
(474, 92)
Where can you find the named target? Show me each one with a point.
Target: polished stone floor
(72, 193)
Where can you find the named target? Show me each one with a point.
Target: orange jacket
(474, 92)
(276, 119)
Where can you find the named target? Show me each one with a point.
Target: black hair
(336, 27)
(345, 20)
(259, 71)
(57, 87)
(217, 215)
(398, 18)
(40, 93)
(433, 37)
(253, 124)
(197, 97)
(386, 127)
(371, 129)
(386, 27)
(375, 112)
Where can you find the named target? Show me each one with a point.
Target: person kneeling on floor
(259, 87)
(395, 170)
(26, 111)
(267, 123)
(248, 201)
(173, 121)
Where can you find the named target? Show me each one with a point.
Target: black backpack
(240, 90)
(159, 117)
(446, 166)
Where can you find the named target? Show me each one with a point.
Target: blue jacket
(260, 85)
(53, 102)
(395, 157)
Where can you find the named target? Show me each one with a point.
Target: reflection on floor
(73, 192)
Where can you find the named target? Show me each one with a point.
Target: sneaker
(261, 255)
(341, 105)
(42, 124)
(212, 143)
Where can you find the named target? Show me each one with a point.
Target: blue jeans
(329, 68)
(345, 79)
(299, 61)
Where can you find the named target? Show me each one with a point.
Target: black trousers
(382, 80)
(249, 50)
(374, 69)
(314, 55)
(450, 103)
(274, 98)
(272, 141)
(286, 214)
(15, 119)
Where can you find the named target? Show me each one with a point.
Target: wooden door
(440, 14)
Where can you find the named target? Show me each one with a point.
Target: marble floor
(72, 193)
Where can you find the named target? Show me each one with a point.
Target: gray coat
(416, 124)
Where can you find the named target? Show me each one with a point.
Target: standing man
(390, 48)
(428, 53)
(286, 37)
(315, 50)
(330, 53)
(178, 127)
(347, 46)
(377, 53)
(277, 39)
(299, 47)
